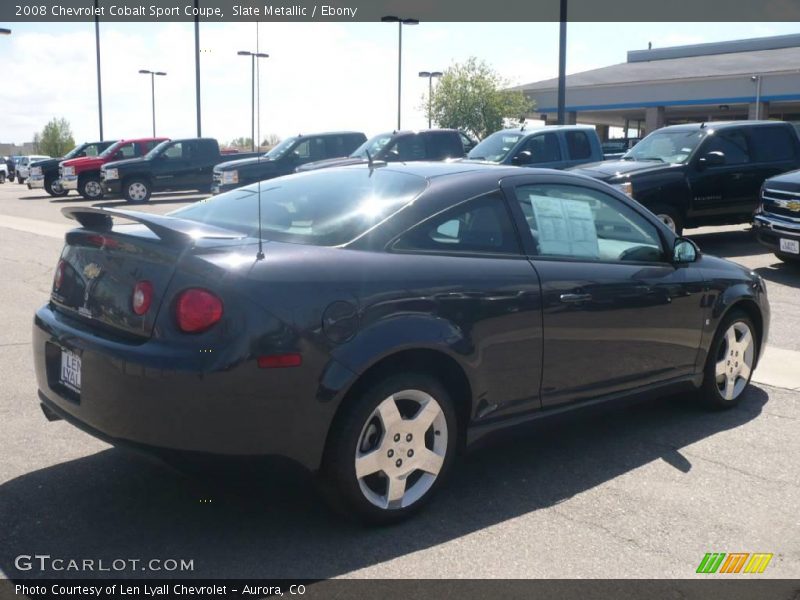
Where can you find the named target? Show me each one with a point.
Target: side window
(578, 145)
(465, 141)
(543, 148)
(732, 143)
(570, 221)
(128, 151)
(335, 146)
(772, 144)
(408, 148)
(442, 145)
(175, 152)
(482, 225)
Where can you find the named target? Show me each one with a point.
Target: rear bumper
(770, 230)
(152, 395)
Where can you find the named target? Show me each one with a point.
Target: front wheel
(730, 362)
(136, 191)
(392, 448)
(53, 187)
(21, 180)
(91, 188)
(669, 216)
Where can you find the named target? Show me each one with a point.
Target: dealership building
(742, 79)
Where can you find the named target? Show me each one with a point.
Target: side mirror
(712, 159)
(684, 251)
(523, 158)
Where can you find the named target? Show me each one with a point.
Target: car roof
(438, 169)
(714, 125)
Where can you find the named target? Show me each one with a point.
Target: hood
(332, 162)
(48, 163)
(610, 169)
(122, 163)
(242, 162)
(84, 162)
(785, 181)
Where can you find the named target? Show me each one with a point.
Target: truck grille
(218, 177)
(782, 203)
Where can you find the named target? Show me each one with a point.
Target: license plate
(791, 246)
(71, 370)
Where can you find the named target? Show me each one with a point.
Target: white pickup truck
(24, 165)
(3, 170)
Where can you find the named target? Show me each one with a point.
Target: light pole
(97, 54)
(197, 65)
(757, 80)
(430, 75)
(153, 91)
(253, 56)
(562, 64)
(400, 22)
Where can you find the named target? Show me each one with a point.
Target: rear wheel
(392, 448)
(91, 188)
(54, 188)
(730, 361)
(669, 216)
(136, 191)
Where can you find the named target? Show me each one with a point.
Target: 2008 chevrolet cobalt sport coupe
(381, 318)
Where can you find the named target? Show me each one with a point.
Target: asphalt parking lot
(641, 492)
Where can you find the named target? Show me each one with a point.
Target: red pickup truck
(83, 174)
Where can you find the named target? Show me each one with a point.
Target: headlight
(36, 171)
(111, 174)
(230, 177)
(625, 188)
(68, 171)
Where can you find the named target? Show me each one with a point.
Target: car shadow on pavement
(781, 272)
(272, 523)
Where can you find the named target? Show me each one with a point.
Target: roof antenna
(260, 253)
(369, 160)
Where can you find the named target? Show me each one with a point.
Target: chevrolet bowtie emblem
(793, 205)
(91, 271)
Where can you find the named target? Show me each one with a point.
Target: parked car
(376, 320)
(616, 148)
(186, 164)
(552, 147)
(23, 166)
(284, 158)
(703, 173)
(400, 146)
(777, 219)
(3, 169)
(44, 173)
(83, 174)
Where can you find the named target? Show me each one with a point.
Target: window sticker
(565, 227)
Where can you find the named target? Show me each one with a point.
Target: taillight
(58, 278)
(142, 297)
(197, 310)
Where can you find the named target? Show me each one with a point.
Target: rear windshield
(323, 208)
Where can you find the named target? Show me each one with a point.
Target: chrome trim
(782, 192)
(777, 224)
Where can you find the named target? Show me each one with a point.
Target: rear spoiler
(170, 229)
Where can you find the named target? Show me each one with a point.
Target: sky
(319, 76)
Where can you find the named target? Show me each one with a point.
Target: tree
(55, 139)
(241, 143)
(270, 140)
(473, 97)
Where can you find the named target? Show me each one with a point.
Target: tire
(669, 216)
(2, 177)
(53, 188)
(91, 187)
(387, 445)
(788, 259)
(21, 180)
(730, 359)
(136, 191)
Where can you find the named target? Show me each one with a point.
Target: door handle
(576, 297)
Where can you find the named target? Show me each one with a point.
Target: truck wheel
(669, 216)
(20, 180)
(136, 191)
(91, 188)
(54, 188)
(2, 177)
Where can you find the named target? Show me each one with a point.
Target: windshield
(373, 146)
(76, 151)
(321, 208)
(281, 148)
(674, 147)
(110, 150)
(496, 147)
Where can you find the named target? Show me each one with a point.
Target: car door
(728, 188)
(616, 313)
(171, 168)
(466, 264)
(543, 151)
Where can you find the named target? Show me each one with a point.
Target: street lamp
(153, 91)
(430, 75)
(400, 22)
(253, 56)
(757, 80)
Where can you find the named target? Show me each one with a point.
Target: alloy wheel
(734, 360)
(93, 189)
(137, 191)
(401, 449)
(667, 220)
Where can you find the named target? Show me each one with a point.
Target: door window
(570, 221)
(544, 148)
(578, 145)
(477, 226)
(408, 148)
(732, 143)
(174, 152)
(442, 145)
(127, 151)
(772, 144)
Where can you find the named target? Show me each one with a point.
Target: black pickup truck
(703, 173)
(44, 173)
(186, 164)
(284, 158)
